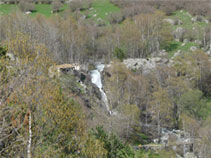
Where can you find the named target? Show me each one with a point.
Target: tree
(114, 146)
(161, 109)
(204, 146)
(119, 53)
(192, 103)
(177, 86)
(38, 119)
(132, 113)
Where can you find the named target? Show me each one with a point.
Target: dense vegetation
(43, 116)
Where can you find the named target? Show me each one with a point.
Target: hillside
(105, 79)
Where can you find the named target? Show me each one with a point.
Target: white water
(96, 79)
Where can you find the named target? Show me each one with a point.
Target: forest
(105, 79)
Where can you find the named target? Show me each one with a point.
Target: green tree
(161, 109)
(119, 54)
(192, 103)
(38, 119)
(114, 146)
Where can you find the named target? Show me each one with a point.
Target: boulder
(198, 42)
(193, 48)
(208, 52)
(206, 21)
(177, 53)
(178, 22)
(170, 21)
(10, 56)
(162, 53)
(193, 19)
(197, 18)
(28, 12)
(179, 33)
(185, 41)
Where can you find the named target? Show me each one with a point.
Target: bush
(76, 5)
(46, 1)
(26, 6)
(137, 9)
(87, 4)
(199, 18)
(120, 54)
(209, 16)
(116, 18)
(198, 8)
(168, 8)
(114, 146)
(56, 5)
(3, 52)
(190, 35)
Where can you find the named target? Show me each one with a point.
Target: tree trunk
(30, 136)
(158, 124)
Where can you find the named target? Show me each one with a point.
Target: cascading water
(96, 79)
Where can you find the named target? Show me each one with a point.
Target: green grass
(102, 9)
(185, 17)
(44, 9)
(7, 8)
(174, 46)
(187, 24)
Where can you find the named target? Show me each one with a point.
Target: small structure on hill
(64, 68)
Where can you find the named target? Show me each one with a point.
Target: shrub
(199, 18)
(198, 8)
(168, 8)
(119, 53)
(3, 52)
(56, 5)
(116, 18)
(190, 35)
(114, 146)
(46, 1)
(74, 5)
(87, 4)
(26, 6)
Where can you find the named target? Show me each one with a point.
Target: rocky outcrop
(144, 65)
(170, 21)
(82, 83)
(173, 22)
(179, 141)
(11, 56)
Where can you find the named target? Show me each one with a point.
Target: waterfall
(96, 79)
